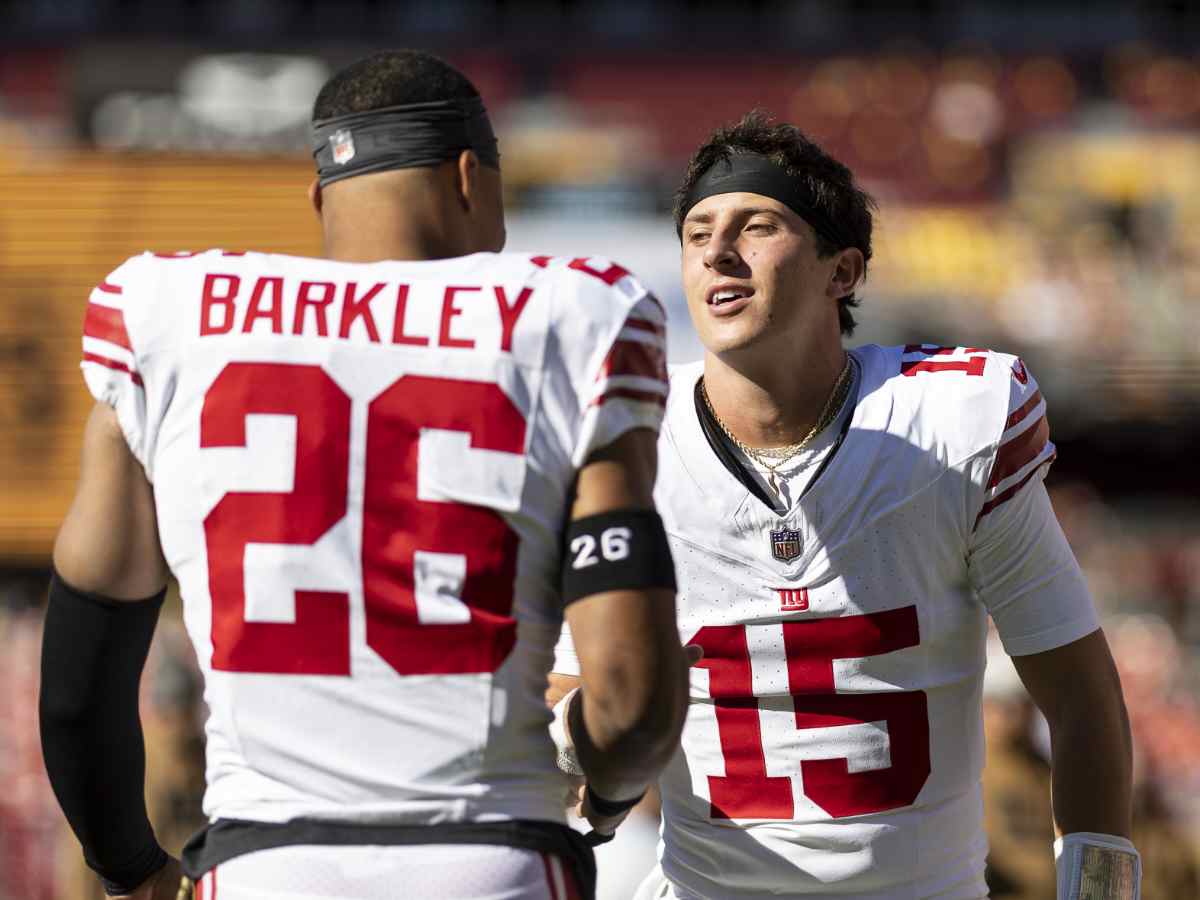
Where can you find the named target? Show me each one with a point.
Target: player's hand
(162, 885)
(604, 826)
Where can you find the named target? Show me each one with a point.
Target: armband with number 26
(614, 551)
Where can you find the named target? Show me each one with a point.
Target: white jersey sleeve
(112, 360)
(622, 383)
(1019, 562)
(618, 376)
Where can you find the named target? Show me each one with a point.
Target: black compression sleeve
(93, 652)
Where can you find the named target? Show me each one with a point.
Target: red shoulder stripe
(1009, 493)
(1023, 410)
(106, 323)
(619, 393)
(109, 288)
(113, 364)
(1020, 451)
(634, 358)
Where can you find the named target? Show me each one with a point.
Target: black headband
(753, 173)
(402, 137)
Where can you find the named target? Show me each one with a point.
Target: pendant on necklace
(772, 482)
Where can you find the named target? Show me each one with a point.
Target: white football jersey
(361, 474)
(834, 740)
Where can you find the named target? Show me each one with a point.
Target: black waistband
(227, 839)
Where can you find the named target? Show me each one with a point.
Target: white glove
(567, 760)
(1094, 866)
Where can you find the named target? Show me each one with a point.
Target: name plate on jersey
(785, 545)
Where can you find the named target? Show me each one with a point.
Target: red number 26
(395, 524)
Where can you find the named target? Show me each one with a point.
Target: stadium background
(1038, 172)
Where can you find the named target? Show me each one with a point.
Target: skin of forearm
(1091, 769)
(622, 753)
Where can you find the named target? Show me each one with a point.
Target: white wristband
(1093, 866)
(567, 760)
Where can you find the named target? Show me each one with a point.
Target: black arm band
(93, 652)
(616, 551)
(610, 808)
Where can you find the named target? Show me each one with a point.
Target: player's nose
(721, 254)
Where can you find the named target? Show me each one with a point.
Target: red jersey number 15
(746, 791)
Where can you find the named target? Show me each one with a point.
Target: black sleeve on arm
(93, 652)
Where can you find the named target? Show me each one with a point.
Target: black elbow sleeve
(93, 653)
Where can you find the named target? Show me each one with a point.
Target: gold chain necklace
(782, 455)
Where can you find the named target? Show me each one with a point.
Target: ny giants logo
(793, 599)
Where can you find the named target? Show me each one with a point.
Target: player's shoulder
(956, 397)
(590, 279)
(599, 291)
(148, 267)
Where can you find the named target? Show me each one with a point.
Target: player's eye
(761, 227)
(697, 236)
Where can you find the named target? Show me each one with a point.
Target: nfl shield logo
(785, 545)
(343, 146)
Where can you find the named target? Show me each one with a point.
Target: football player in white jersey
(363, 469)
(843, 524)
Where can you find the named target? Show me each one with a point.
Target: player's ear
(314, 195)
(467, 179)
(847, 273)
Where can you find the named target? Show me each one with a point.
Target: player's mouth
(728, 299)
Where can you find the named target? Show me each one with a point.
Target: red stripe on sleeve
(106, 324)
(109, 288)
(1020, 451)
(113, 364)
(1008, 494)
(214, 884)
(635, 358)
(1023, 410)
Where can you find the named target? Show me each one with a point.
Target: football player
(843, 524)
(363, 469)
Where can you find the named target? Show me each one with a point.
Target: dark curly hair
(829, 183)
(391, 78)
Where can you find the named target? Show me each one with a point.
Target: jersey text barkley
(418, 315)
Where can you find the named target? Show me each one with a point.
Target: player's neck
(411, 220)
(378, 246)
(775, 404)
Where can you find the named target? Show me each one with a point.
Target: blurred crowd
(1044, 201)
(1144, 570)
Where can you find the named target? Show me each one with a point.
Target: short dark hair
(391, 78)
(830, 183)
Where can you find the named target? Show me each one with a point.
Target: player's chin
(729, 337)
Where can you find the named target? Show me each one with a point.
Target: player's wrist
(1108, 864)
(610, 809)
